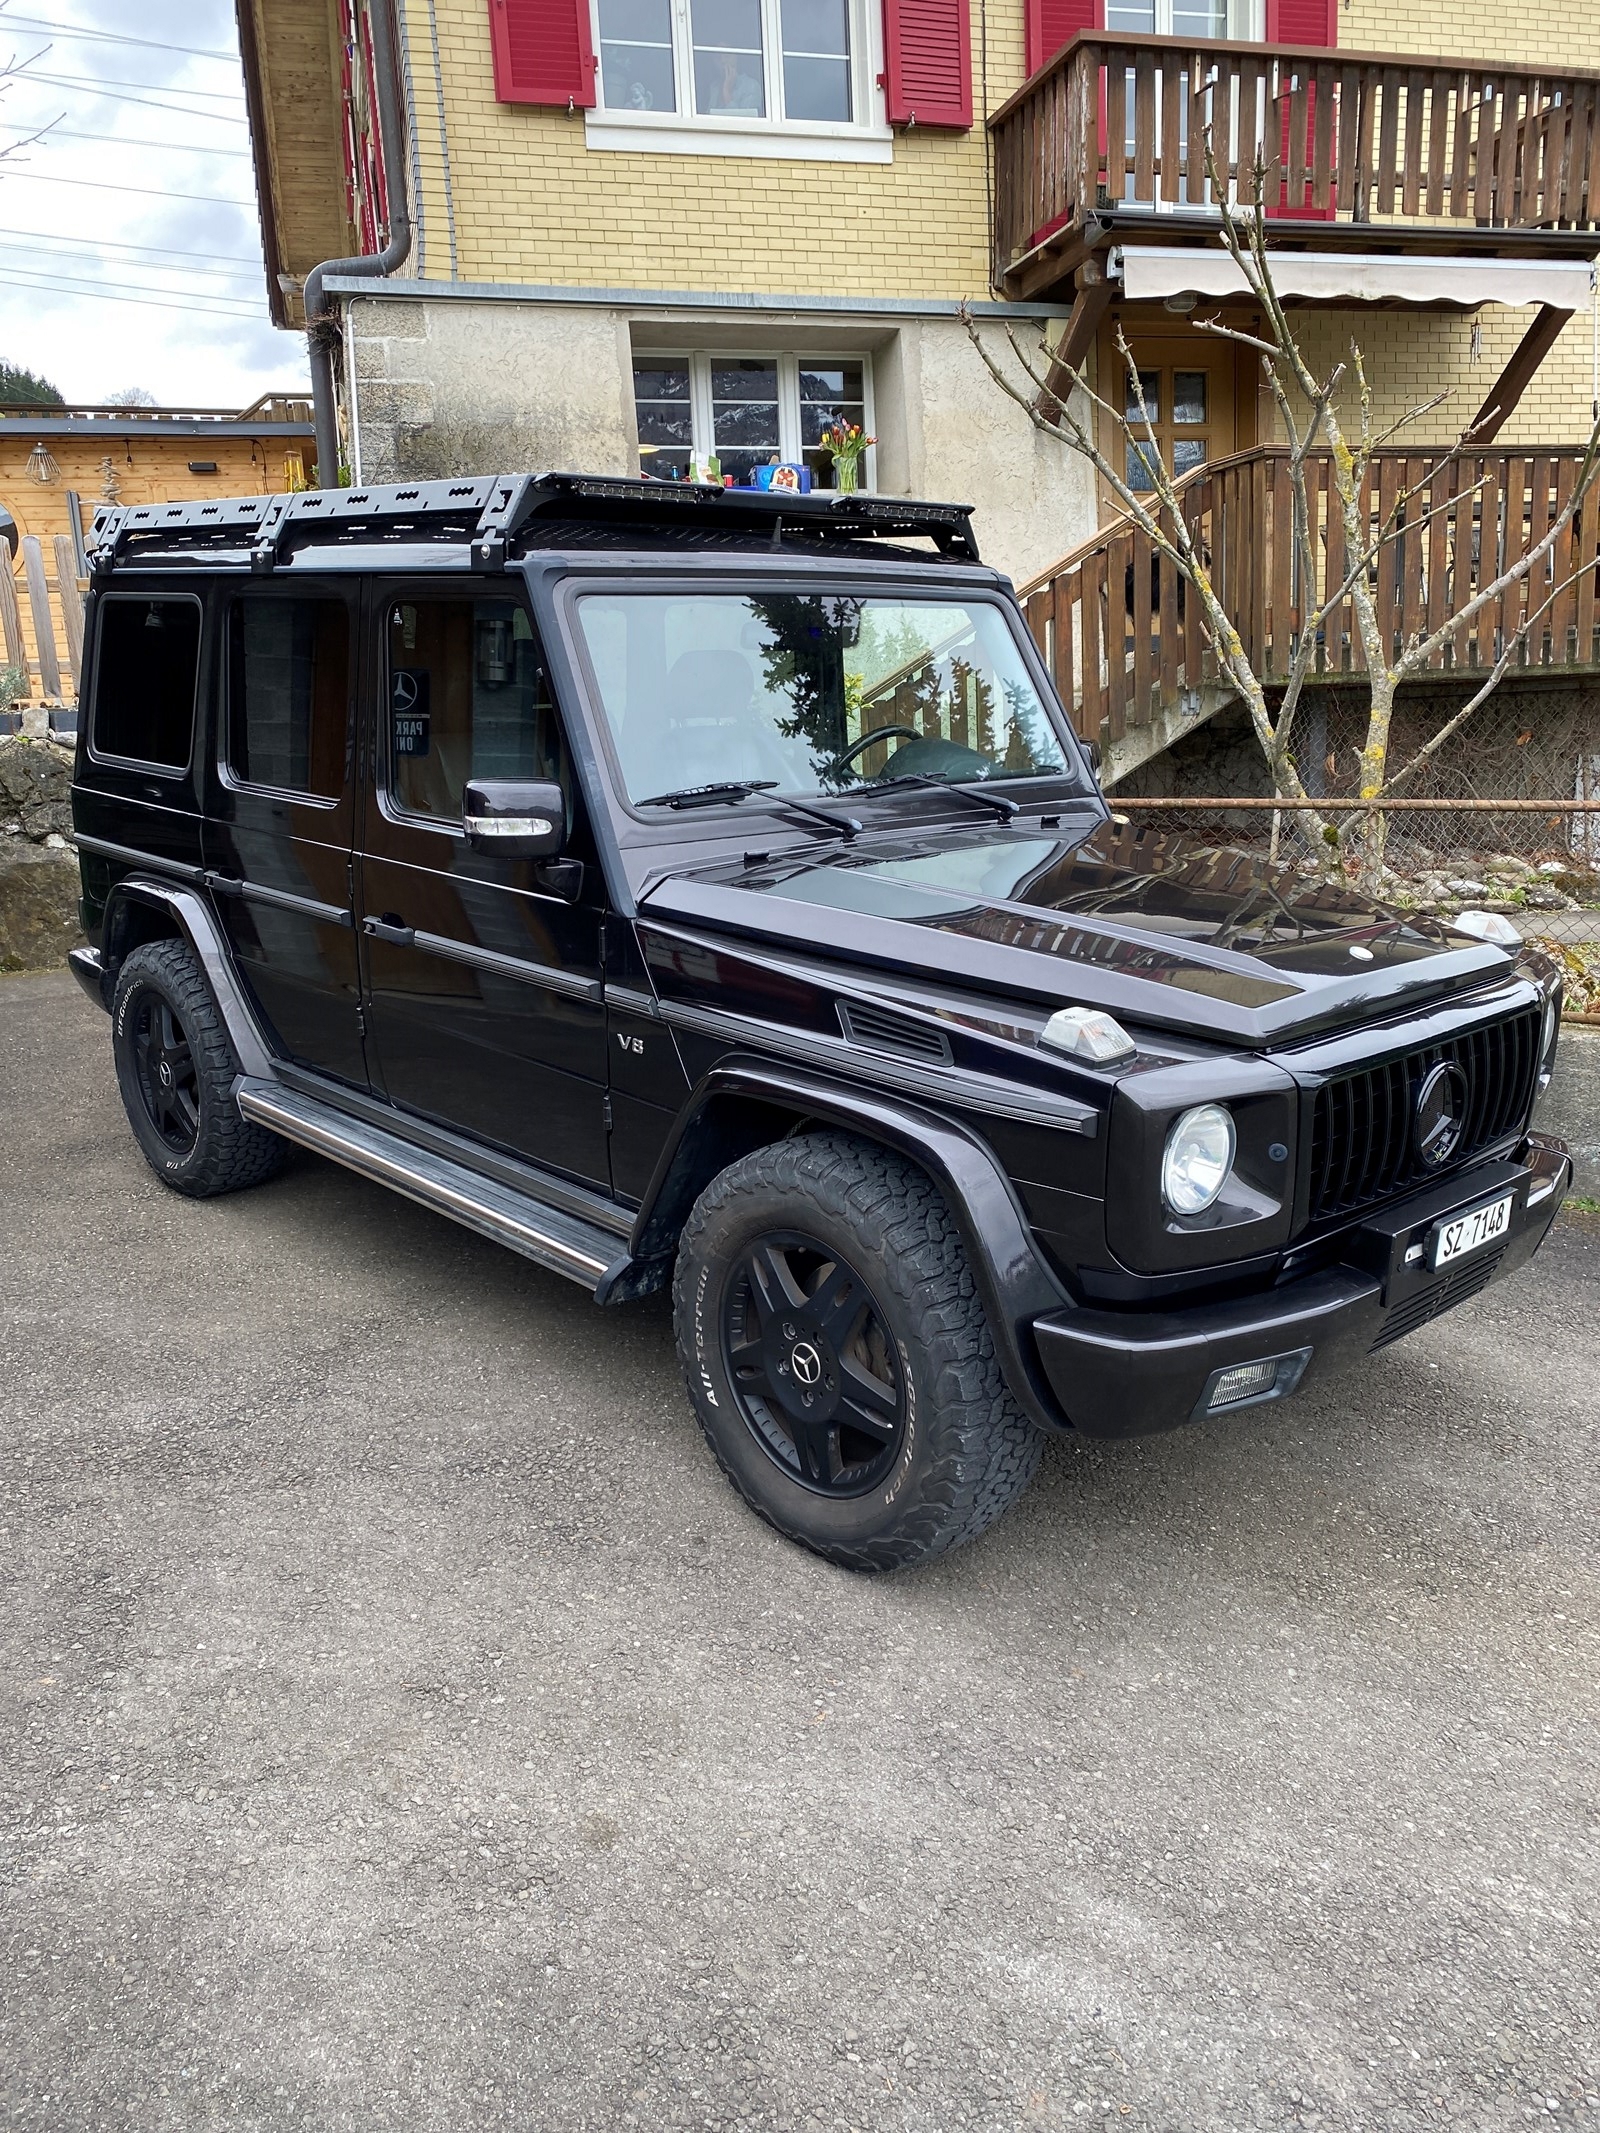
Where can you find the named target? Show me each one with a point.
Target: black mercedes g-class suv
(706, 888)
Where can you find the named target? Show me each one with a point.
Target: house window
(1188, 18)
(747, 410)
(726, 70)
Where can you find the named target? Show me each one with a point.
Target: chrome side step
(551, 1238)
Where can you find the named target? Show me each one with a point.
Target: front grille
(1362, 1145)
(1442, 1295)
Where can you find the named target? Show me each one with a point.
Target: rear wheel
(838, 1356)
(176, 1069)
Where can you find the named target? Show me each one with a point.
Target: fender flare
(1015, 1282)
(197, 923)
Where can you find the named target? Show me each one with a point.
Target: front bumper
(1121, 1374)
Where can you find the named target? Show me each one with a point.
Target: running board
(563, 1243)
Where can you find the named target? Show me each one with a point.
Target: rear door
(482, 973)
(280, 812)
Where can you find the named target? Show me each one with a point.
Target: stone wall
(38, 865)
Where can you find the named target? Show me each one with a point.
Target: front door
(279, 815)
(1199, 405)
(482, 973)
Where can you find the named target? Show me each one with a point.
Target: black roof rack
(491, 511)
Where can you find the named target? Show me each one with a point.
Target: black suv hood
(1158, 928)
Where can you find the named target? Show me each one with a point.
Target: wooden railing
(1121, 121)
(1122, 633)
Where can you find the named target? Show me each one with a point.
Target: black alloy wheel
(864, 1415)
(165, 1071)
(813, 1366)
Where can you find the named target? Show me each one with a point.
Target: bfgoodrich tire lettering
(176, 1069)
(916, 1445)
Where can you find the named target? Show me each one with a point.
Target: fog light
(1273, 1377)
(1245, 1381)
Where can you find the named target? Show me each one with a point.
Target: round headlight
(1198, 1158)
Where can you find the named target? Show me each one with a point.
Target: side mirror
(515, 817)
(1093, 750)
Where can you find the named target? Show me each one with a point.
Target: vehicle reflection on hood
(999, 885)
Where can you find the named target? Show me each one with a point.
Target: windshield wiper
(845, 826)
(990, 802)
(709, 795)
(740, 789)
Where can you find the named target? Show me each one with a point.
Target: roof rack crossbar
(494, 509)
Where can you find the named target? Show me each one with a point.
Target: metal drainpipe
(320, 322)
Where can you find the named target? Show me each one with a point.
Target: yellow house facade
(646, 233)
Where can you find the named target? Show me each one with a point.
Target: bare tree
(1312, 424)
(12, 70)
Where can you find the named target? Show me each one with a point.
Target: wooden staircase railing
(1121, 633)
(1116, 121)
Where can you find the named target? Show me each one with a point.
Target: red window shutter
(927, 77)
(1052, 23)
(1302, 22)
(543, 53)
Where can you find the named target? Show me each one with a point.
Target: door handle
(389, 928)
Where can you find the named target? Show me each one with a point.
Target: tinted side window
(468, 698)
(289, 694)
(146, 668)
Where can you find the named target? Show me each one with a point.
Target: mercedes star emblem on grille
(1440, 1114)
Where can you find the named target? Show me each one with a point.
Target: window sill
(646, 133)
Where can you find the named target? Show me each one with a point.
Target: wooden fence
(41, 618)
(1121, 630)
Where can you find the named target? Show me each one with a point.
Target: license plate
(1471, 1232)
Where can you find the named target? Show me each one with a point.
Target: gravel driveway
(404, 1726)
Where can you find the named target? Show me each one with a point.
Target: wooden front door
(1201, 406)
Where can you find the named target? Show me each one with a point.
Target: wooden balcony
(1122, 636)
(1358, 147)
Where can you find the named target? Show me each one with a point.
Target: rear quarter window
(146, 669)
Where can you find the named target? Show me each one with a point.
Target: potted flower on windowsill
(848, 443)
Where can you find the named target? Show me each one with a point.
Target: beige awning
(1153, 272)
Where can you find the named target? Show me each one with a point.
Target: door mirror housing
(519, 818)
(1092, 749)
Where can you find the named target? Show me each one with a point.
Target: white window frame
(1246, 20)
(1246, 23)
(867, 138)
(790, 446)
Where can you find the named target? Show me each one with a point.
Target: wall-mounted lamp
(1184, 301)
(202, 466)
(41, 466)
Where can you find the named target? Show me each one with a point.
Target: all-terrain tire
(187, 1123)
(965, 1450)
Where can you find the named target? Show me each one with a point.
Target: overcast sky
(133, 257)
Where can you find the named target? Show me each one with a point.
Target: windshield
(811, 692)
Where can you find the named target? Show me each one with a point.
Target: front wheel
(838, 1357)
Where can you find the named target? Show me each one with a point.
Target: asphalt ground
(402, 1724)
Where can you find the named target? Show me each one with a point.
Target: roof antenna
(777, 530)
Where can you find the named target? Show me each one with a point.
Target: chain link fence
(1535, 862)
(1504, 816)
